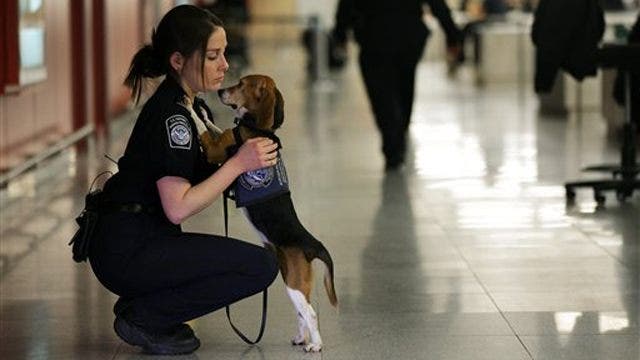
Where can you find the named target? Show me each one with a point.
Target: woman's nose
(225, 64)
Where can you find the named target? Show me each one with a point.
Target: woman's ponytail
(145, 64)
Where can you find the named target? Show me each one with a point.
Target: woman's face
(215, 65)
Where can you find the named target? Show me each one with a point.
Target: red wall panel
(40, 112)
(123, 40)
(48, 109)
(3, 42)
(10, 42)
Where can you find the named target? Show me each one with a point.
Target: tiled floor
(468, 253)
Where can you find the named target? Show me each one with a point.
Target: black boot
(122, 307)
(175, 341)
(394, 162)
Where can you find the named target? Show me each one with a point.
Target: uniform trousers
(389, 79)
(165, 277)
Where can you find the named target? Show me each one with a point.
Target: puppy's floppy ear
(278, 109)
(260, 89)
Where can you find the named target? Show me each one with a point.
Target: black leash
(227, 196)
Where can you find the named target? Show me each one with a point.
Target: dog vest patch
(179, 132)
(263, 184)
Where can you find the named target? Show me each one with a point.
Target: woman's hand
(180, 199)
(256, 153)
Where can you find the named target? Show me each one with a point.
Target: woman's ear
(177, 61)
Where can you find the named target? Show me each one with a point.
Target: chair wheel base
(623, 188)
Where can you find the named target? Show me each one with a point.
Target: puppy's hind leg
(303, 332)
(309, 322)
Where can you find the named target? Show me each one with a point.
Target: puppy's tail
(321, 253)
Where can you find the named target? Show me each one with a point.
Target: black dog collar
(249, 121)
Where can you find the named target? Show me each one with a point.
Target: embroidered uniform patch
(179, 132)
(256, 179)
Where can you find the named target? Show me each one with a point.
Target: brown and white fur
(259, 106)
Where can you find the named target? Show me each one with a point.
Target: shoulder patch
(179, 132)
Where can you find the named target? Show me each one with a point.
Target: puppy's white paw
(299, 340)
(313, 348)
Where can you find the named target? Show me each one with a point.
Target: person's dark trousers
(172, 278)
(472, 30)
(389, 79)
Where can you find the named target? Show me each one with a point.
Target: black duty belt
(134, 208)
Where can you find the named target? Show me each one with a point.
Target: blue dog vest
(260, 185)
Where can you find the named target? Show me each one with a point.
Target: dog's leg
(303, 333)
(213, 140)
(308, 314)
(298, 278)
(209, 124)
(200, 124)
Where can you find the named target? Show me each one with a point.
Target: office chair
(626, 58)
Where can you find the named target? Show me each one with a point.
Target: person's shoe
(454, 58)
(123, 304)
(176, 342)
(393, 163)
(182, 331)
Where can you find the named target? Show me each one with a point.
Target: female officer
(164, 276)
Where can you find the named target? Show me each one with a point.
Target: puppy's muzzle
(223, 94)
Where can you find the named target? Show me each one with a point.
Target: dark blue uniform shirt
(164, 142)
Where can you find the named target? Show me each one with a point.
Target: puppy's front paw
(299, 339)
(313, 347)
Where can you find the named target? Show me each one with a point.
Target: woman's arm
(180, 199)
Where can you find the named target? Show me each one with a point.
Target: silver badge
(179, 132)
(256, 179)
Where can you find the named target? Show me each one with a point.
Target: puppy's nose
(220, 92)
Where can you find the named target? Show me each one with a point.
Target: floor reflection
(617, 231)
(392, 253)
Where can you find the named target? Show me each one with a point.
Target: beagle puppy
(259, 112)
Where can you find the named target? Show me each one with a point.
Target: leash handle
(263, 322)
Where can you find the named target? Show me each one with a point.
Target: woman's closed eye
(214, 54)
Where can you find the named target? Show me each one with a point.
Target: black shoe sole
(159, 349)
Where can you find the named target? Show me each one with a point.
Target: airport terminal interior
(469, 251)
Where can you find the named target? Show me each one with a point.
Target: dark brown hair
(185, 29)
